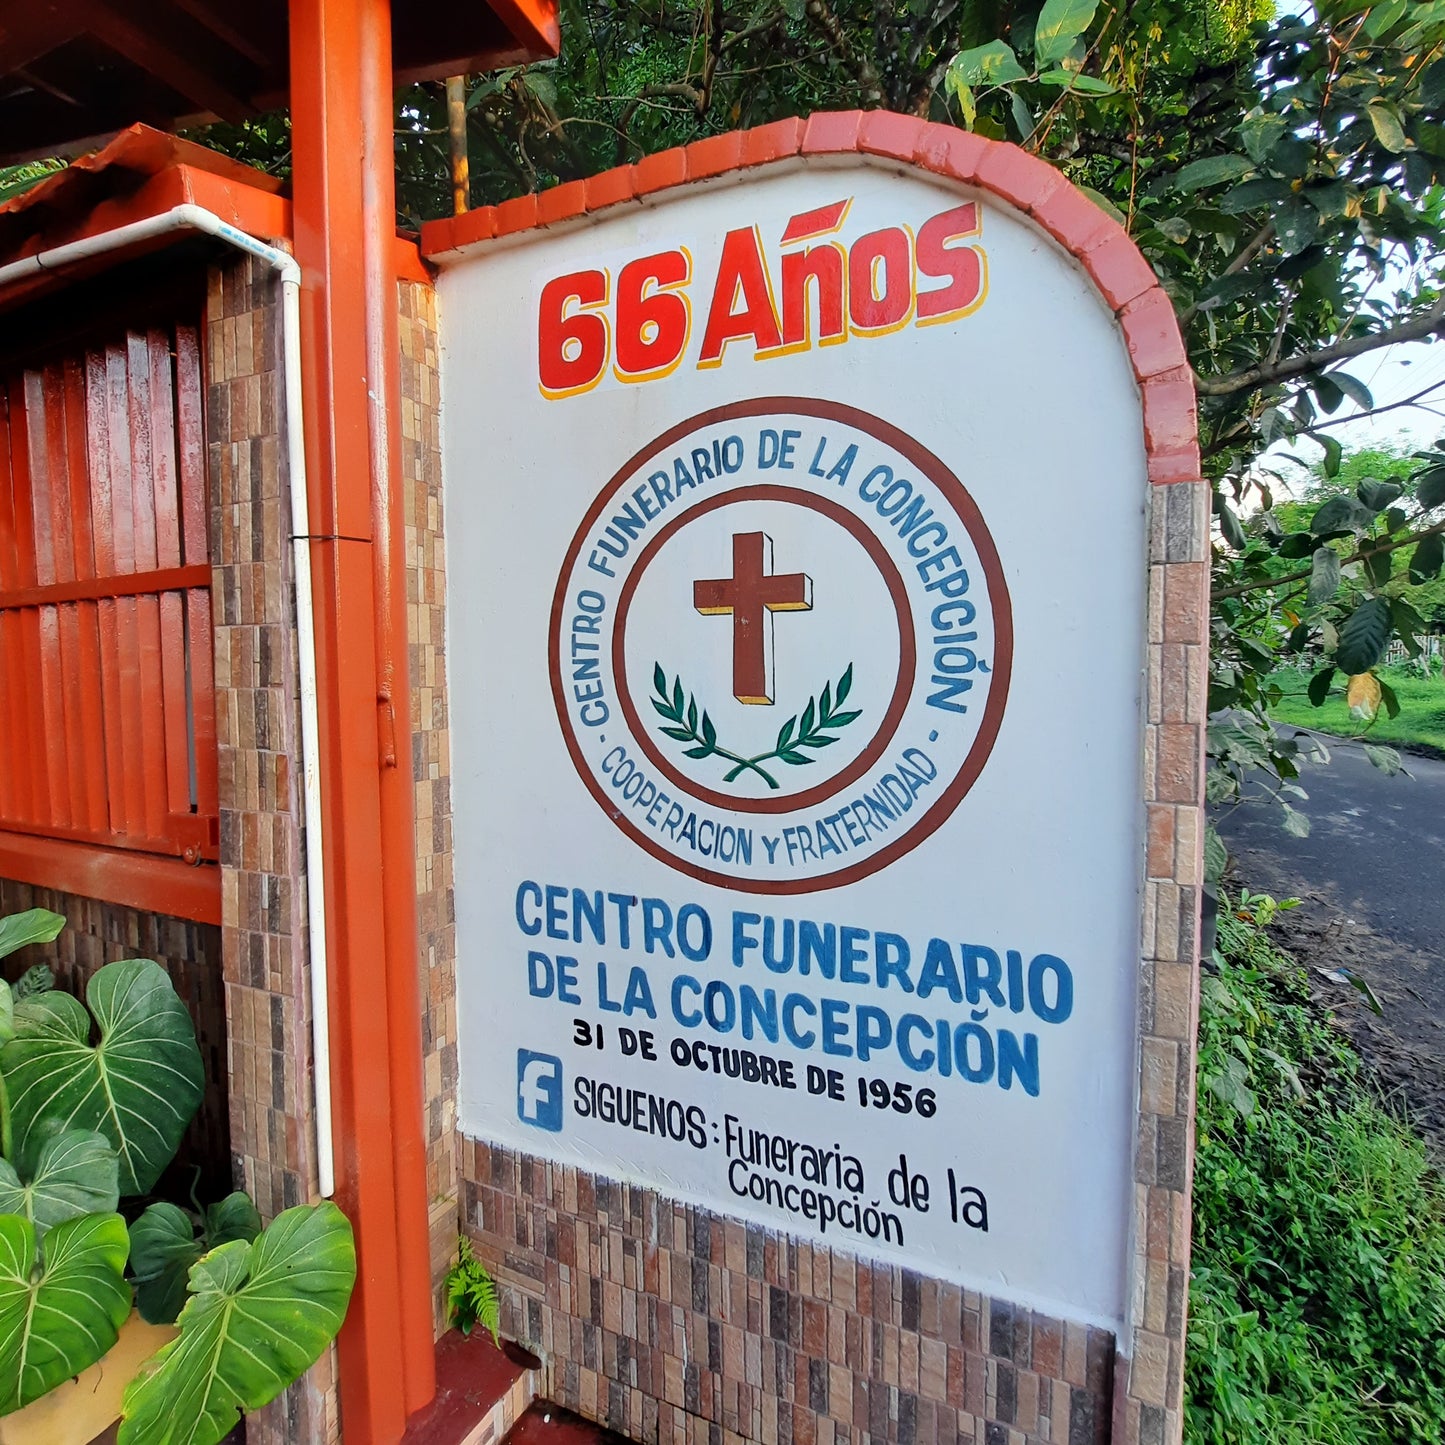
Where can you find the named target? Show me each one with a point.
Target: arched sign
(806, 707)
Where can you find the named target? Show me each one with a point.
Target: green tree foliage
(1327, 582)
(1360, 473)
(1319, 483)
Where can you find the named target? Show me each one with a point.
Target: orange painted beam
(152, 884)
(253, 209)
(343, 218)
(127, 584)
(535, 24)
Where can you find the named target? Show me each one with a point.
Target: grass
(1422, 709)
(1317, 1302)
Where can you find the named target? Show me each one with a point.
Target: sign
(795, 641)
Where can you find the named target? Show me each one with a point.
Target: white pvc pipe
(196, 218)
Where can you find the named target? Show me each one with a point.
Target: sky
(1395, 374)
(1392, 374)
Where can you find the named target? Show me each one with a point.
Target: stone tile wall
(1149, 1400)
(258, 734)
(672, 1324)
(431, 761)
(262, 842)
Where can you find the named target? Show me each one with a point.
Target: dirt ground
(1405, 1046)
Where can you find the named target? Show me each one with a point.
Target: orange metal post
(344, 226)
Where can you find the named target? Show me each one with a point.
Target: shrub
(86, 1130)
(1317, 1306)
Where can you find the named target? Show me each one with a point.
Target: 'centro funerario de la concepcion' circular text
(780, 645)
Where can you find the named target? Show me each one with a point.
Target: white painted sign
(796, 619)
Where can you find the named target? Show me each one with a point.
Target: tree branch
(1241, 429)
(818, 12)
(1431, 323)
(1376, 410)
(678, 89)
(1245, 255)
(1241, 588)
(760, 27)
(711, 58)
(550, 123)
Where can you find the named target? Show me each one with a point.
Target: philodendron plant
(93, 1104)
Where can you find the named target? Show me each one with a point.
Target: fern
(38, 979)
(472, 1296)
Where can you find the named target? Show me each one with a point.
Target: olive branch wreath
(808, 731)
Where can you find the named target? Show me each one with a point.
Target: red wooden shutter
(107, 697)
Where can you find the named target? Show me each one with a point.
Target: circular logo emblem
(780, 645)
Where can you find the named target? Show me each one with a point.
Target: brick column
(431, 765)
(263, 893)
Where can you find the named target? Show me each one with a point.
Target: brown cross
(751, 595)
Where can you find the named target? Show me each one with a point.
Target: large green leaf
(1378, 495)
(991, 64)
(1261, 133)
(1232, 527)
(1324, 576)
(1296, 225)
(1382, 16)
(58, 1319)
(1319, 688)
(165, 1242)
(1388, 130)
(1430, 487)
(1341, 514)
(1363, 637)
(1076, 81)
(138, 1086)
(35, 925)
(1211, 171)
(1061, 22)
(259, 1315)
(1426, 560)
(1329, 396)
(163, 1247)
(61, 1174)
(1355, 389)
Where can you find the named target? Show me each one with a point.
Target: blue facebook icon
(539, 1090)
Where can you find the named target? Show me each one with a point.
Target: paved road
(1377, 842)
(1372, 876)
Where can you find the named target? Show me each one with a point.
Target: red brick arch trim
(1147, 1390)
(1123, 278)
